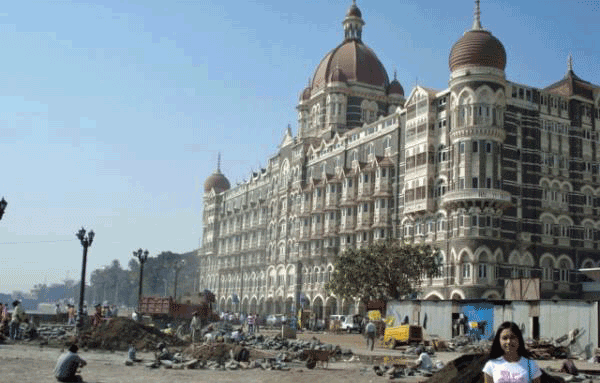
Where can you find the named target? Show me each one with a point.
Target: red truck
(167, 310)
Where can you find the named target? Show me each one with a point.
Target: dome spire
(353, 23)
(219, 162)
(570, 63)
(477, 17)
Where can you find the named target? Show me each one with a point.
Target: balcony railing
(419, 205)
(496, 197)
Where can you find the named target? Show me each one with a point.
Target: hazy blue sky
(112, 112)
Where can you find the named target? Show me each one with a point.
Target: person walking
(250, 323)
(18, 316)
(67, 365)
(509, 361)
(371, 334)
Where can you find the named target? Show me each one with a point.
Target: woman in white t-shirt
(509, 361)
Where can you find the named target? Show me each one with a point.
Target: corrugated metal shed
(552, 319)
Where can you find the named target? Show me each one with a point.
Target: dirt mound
(119, 332)
(221, 352)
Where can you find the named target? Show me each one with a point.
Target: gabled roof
(430, 92)
(573, 85)
(288, 138)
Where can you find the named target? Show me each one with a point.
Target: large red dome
(216, 181)
(356, 61)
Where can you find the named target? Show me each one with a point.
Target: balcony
(317, 231)
(347, 224)
(331, 228)
(304, 232)
(382, 188)
(305, 207)
(467, 197)
(363, 221)
(348, 198)
(317, 204)
(365, 190)
(332, 201)
(381, 218)
(421, 205)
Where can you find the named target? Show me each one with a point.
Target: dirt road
(29, 364)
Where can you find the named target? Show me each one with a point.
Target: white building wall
(439, 315)
(560, 317)
(439, 318)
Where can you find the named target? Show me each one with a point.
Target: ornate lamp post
(85, 242)
(178, 266)
(3, 204)
(142, 256)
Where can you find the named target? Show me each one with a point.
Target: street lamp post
(142, 256)
(85, 242)
(3, 204)
(178, 266)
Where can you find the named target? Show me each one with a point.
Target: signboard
(522, 289)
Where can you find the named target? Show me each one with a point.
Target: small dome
(216, 181)
(477, 47)
(353, 11)
(395, 88)
(305, 94)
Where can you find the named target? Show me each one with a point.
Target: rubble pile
(54, 332)
(119, 332)
(465, 369)
(467, 345)
(277, 343)
(545, 349)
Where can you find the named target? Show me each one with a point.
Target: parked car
(348, 323)
(275, 320)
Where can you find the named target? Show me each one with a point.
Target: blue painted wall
(480, 311)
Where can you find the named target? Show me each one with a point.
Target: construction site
(228, 351)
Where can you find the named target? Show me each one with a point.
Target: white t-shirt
(516, 372)
(425, 361)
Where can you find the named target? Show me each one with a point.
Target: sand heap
(119, 332)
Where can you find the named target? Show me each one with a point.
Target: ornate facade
(503, 178)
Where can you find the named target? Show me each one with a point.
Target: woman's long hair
(497, 350)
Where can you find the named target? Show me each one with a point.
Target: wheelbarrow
(314, 356)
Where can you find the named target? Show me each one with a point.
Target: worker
(424, 362)
(371, 334)
(97, 318)
(67, 365)
(195, 325)
(70, 315)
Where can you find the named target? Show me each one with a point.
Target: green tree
(388, 270)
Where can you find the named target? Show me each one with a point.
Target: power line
(20, 243)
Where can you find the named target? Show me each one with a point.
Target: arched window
(563, 267)
(483, 267)
(547, 269)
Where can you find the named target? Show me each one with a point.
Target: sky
(112, 113)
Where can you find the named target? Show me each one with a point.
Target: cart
(314, 356)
